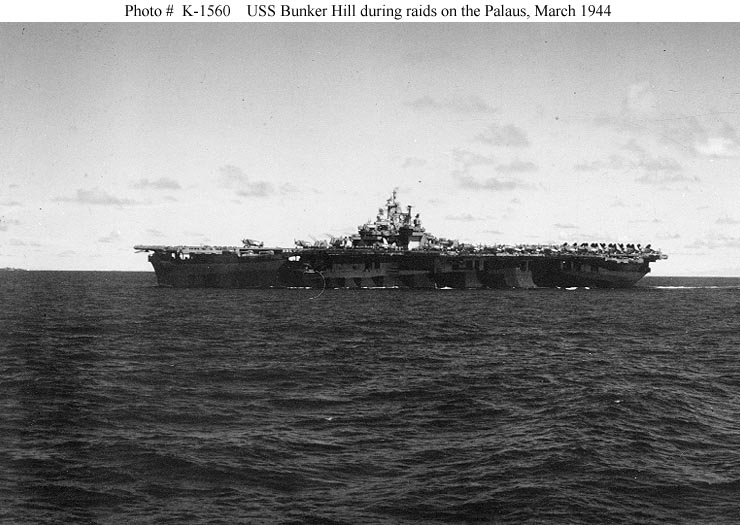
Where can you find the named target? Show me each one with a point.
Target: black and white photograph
(370, 272)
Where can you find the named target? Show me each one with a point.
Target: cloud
(96, 196)
(638, 110)
(489, 183)
(466, 217)
(5, 223)
(640, 101)
(507, 135)
(162, 183)
(617, 203)
(667, 236)
(155, 233)
(703, 135)
(718, 147)
(727, 220)
(714, 241)
(466, 159)
(657, 170)
(233, 178)
(469, 104)
(612, 162)
(288, 188)
(517, 166)
(660, 164)
(10, 204)
(469, 159)
(469, 162)
(112, 237)
(256, 189)
(663, 179)
(566, 226)
(413, 162)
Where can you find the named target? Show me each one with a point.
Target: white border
(620, 11)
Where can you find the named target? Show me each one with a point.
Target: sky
(120, 134)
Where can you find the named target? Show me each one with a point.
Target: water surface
(126, 402)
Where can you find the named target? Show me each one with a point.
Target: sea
(125, 402)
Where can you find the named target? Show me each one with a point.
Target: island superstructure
(396, 251)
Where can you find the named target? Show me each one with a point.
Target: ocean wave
(377, 406)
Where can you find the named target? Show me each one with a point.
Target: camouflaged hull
(367, 268)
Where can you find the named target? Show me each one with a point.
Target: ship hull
(391, 269)
(259, 272)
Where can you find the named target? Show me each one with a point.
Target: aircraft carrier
(395, 251)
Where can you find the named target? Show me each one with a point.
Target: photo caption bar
(323, 11)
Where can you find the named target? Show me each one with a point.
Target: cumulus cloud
(233, 178)
(162, 183)
(469, 104)
(507, 135)
(718, 147)
(468, 175)
(701, 135)
(633, 158)
(704, 135)
(97, 197)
